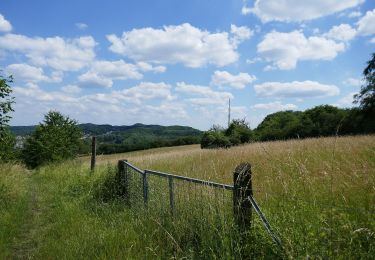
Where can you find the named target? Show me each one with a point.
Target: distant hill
(94, 129)
(114, 139)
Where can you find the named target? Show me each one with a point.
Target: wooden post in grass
(123, 180)
(93, 153)
(242, 189)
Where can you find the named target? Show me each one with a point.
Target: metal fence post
(171, 195)
(145, 188)
(242, 189)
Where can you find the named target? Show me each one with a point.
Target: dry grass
(318, 194)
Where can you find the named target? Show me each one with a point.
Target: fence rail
(243, 200)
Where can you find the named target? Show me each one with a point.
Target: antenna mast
(229, 113)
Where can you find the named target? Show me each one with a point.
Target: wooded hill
(115, 139)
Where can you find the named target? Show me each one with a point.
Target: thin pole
(93, 153)
(229, 114)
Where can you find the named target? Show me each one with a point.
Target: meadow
(318, 194)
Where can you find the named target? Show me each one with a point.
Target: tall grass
(318, 194)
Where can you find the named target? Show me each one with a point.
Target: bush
(7, 143)
(56, 139)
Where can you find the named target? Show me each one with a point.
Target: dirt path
(24, 244)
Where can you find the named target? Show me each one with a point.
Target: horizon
(163, 63)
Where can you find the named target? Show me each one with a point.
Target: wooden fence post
(93, 153)
(145, 188)
(242, 189)
(171, 195)
(123, 180)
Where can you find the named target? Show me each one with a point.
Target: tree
(7, 139)
(366, 97)
(57, 138)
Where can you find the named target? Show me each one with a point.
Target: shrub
(56, 139)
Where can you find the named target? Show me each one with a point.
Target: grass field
(318, 195)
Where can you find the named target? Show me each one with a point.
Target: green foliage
(366, 97)
(6, 102)
(7, 143)
(322, 120)
(56, 139)
(7, 140)
(238, 132)
(214, 139)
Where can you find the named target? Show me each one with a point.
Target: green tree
(57, 138)
(366, 97)
(7, 139)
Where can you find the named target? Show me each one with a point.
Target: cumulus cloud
(183, 44)
(346, 101)
(81, 26)
(224, 78)
(354, 82)
(5, 26)
(71, 89)
(354, 14)
(146, 102)
(284, 50)
(30, 73)
(56, 52)
(366, 25)
(342, 32)
(204, 95)
(240, 33)
(274, 106)
(296, 10)
(102, 72)
(295, 89)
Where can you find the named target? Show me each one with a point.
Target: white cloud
(146, 102)
(102, 73)
(274, 106)
(297, 10)
(224, 78)
(245, 10)
(183, 43)
(295, 89)
(342, 32)
(30, 73)
(240, 33)
(81, 26)
(372, 40)
(71, 89)
(354, 82)
(253, 60)
(366, 25)
(5, 26)
(56, 52)
(206, 96)
(354, 14)
(346, 101)
(144, 66)
(146, 91)
(284, 50)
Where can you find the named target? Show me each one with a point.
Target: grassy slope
(318, 194)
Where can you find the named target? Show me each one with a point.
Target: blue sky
(178, 62)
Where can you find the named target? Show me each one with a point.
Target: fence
(134, 180)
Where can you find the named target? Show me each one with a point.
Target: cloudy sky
(178, 62)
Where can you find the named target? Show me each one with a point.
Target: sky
(174, 62)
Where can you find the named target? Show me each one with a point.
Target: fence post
(145, 188)
(171, 195)
(123, 180)
(242, 189)
(93, 153)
